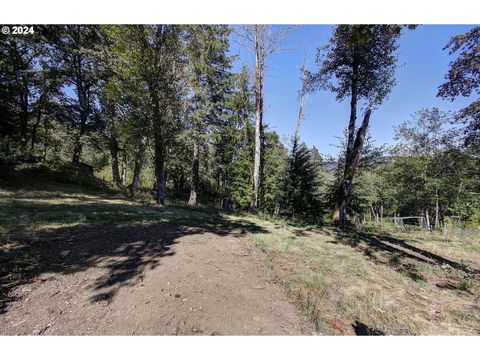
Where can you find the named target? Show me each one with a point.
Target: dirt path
(155, 280)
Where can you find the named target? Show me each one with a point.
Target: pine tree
(210, 82)
(300, 184)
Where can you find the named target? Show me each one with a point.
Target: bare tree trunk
(427, 219)
(160, 176)
(77, 150)
(84, 104)
(34, 129)
(139, 159)
(117, 182)
(339, 214)
(259, 44)
(24, 114)
(353, 114)
(44, 150)
(303, 101)
(195, 166)
(159, 157)
(437, 211)
(124, 168)
(442, 219)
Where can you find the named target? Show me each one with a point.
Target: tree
(29, 85)
(299, 184)
(160, 64)
(463, 79)
(361, 60)
(274, 160)
(76, 51)
(128, 117)
(210, 83)
(434, 175)
(265, 40)
(363, 195)
(233, 140)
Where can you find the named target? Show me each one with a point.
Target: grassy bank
(367, 283)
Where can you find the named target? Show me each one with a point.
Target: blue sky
(423, 65)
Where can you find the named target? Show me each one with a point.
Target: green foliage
(300, 184)
(274, 156)
(135, 99)
(463, 79)
(361, 57)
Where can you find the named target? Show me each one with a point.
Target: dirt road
(150, 280)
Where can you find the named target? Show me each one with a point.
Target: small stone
(65, 252)
(177, 295)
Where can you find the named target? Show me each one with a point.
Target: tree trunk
(339, 214)
(24, 115)
(113, 142)
(139, 159)
(160, 176)
(437, 211)
(303, 100)
(124, 169)
(353, 114)
(159, 155)
(427, 219)
(34, 129)
(192, 201)
(77, 150)
(44, 150)
(259, 69)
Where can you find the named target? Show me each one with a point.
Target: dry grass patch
(357, 284)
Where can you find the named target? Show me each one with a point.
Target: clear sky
(422, 66)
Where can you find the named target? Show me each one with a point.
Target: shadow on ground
(111, 237)
(391, 251)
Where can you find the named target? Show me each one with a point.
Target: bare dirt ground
(74, 262)
(149, 279)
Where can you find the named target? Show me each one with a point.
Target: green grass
(336, 277)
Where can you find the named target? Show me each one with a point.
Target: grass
(341, 280)
(367, 281)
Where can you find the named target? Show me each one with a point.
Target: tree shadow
(123, 249)
(300, 233)
(388, 250)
